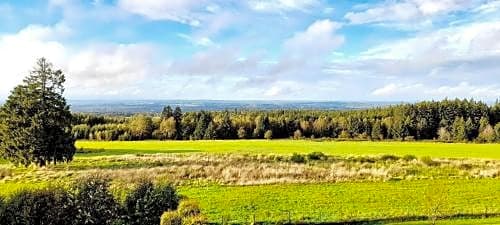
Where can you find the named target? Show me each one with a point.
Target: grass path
(445, 150)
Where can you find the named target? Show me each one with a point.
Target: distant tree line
(447, 120)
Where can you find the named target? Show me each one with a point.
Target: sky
(338, 50)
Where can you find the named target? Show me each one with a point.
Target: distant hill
(152, 106)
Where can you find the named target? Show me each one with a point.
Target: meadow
(242, 181)
(432, 149)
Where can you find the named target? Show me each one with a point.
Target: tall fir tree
(458, 129)
(35, 121)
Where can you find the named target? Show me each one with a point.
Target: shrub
(297, 135)
(316, 156)
(298, 158)
(189, 208)
(409, 157)
(171, 218)
(94, 203)
(194, 220)
(39, 207)
(429, 161)
(389, 157)
(487, 135)
(145, 205)
(268, 135)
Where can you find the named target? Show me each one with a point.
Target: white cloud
(408, 11)
(202, 41)
(396, 90)
(182, 11)
(18, 53)
(318, 39)
(419, 91)
(91, 70)
(282, 5)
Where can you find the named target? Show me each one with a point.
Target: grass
(445, 150)
(237, 180)
(484, 221)
(343, 201)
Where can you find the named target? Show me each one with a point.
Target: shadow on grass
(402, 219)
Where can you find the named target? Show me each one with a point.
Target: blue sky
(257, 49)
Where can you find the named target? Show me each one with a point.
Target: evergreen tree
(225, 128)
(376, 133)
(203, 120)
(458, 129)
(210, 132)
(470, 129)
(483, 123)
(35, 121)
(178, 119)
(167, 112)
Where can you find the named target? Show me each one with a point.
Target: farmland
(432, 149)
(239, 181)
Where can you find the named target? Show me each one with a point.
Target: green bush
(145, 205)
(95, 204)
(316, 156)
(39, 207)
(388, 157)
(171, 218)
(429, 161)
(189, 208)
(268, 135)
(298, 158)
(409, 157)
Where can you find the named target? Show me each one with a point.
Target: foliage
(316, 156)
(268, 135)
(448, 120)
(171, 218)
(145, 205)
(297, 158)
(95, 205)
(188, 208)
(39, 207)
(35, 121)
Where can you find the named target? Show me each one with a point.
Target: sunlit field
(281, 181)
(432, 149)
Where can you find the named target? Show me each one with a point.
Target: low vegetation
(90, 202)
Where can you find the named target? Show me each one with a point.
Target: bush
(297, 135)
(316, 156)
(429, 161)
(145, 205)
(298, 158)
(189, 208)
(389, 158)
(194, 220)
(409, 157)
(268, 135)
(39, 207)
(171, 218)
(95, 204)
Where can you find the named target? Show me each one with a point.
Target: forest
(447, 121)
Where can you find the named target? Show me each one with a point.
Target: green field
(239, 180)
(484, 221)
(445, 150)
(344, 201)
